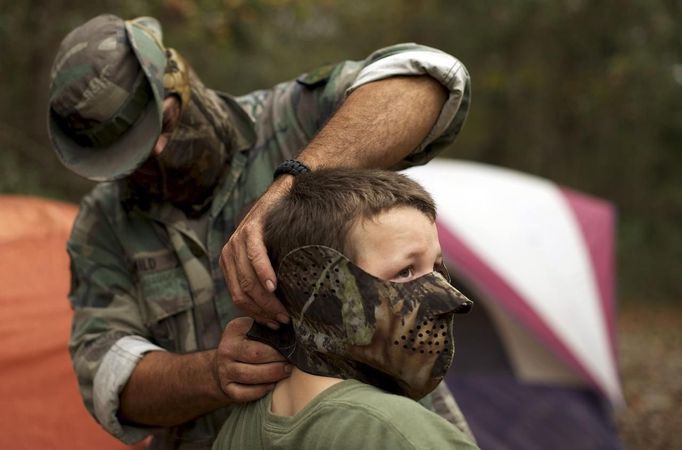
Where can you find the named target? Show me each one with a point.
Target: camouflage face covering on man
(109, 80)
(192, 162)
(347, 323)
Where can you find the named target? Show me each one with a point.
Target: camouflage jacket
(146, 280)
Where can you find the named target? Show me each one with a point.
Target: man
(157, 342)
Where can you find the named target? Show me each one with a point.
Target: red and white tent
(542, 255)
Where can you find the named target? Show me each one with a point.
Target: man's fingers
(254, 352)
(247, 278)
(242, 393)
(260, 263)
(246, 266)
(245, 369)
(254, 295)
(239, 297)
(235, 346)
(258, 256)
(237, 327)
(257, 373)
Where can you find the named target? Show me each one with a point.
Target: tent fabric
(531, 361)
(539, 251)
(596, 220)
(40, 406)
(506, 414)
(535, 366)
(523, 403)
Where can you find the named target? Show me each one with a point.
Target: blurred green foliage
(586, 93)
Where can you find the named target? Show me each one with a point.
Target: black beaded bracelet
(291, 167)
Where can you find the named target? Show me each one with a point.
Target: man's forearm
(378, 124)
(167, 389)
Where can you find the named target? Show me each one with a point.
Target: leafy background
(585, 93)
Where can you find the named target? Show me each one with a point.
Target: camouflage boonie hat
(106, 96)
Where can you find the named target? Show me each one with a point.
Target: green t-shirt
(349, 415)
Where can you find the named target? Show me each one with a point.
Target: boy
(361, 273)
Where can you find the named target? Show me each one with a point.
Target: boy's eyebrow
(439, 255)
(413, 253)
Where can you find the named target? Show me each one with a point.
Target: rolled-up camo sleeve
(413, 60)
(108, 337)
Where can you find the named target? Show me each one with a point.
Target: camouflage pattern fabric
(106, 95)
(194, 159)
(350, 324)
(444, 404)
(176, 78)
(146, 272)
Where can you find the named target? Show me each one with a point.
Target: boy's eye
(407, 272)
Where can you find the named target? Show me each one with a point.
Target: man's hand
(244, 260)
(168, 389)
(377, 125)
(246, 370)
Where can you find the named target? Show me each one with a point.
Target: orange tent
(40, 407)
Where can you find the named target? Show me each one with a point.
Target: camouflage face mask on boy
(347, 323)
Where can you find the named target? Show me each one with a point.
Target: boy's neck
(293, 393)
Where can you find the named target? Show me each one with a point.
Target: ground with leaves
(650, 351)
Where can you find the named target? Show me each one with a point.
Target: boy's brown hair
(323, 205)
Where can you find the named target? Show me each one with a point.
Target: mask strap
(284, 339)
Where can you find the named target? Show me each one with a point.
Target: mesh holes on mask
(428, 337)
(315, 278)
(312, 285)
